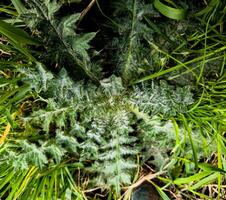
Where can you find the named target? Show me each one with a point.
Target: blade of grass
(43, 189)
(15, 185)
(15, 34)
(194, 68)
(25, 182)
(8, 11)
(176, 127)
(210, 168)
(21, 9)
(7, 179)
(158, 74)
(23, 51)
(208, 9)
(173, 13)
(193, 178)
(203, 196)
(160, 191)
(196, 104)
(50, 191)
(205, 45)
(188, 129)
(220, 166)
(5, 133)
(203, 182)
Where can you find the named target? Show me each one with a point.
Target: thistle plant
(69, 130)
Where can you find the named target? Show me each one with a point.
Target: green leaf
(55, 151)
(173, 13)
(180, 65)
(195, 177)
(68, 24)
(80, 45)
(163, 195)
(52, 7)
(8, 11)
(203, 182)
(131, 55)
(187, 127)
(15, 34)
(23, 50)
(210, 168)
(62, 43)
(211, 5)
(20, 95)
(20, 8)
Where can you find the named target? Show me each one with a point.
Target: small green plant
(105, 126)
(63, 46)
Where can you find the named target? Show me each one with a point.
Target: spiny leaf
(81, 44)
(59, 37)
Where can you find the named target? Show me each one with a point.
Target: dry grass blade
(5, 133)
(147, 177)
(86, 10)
